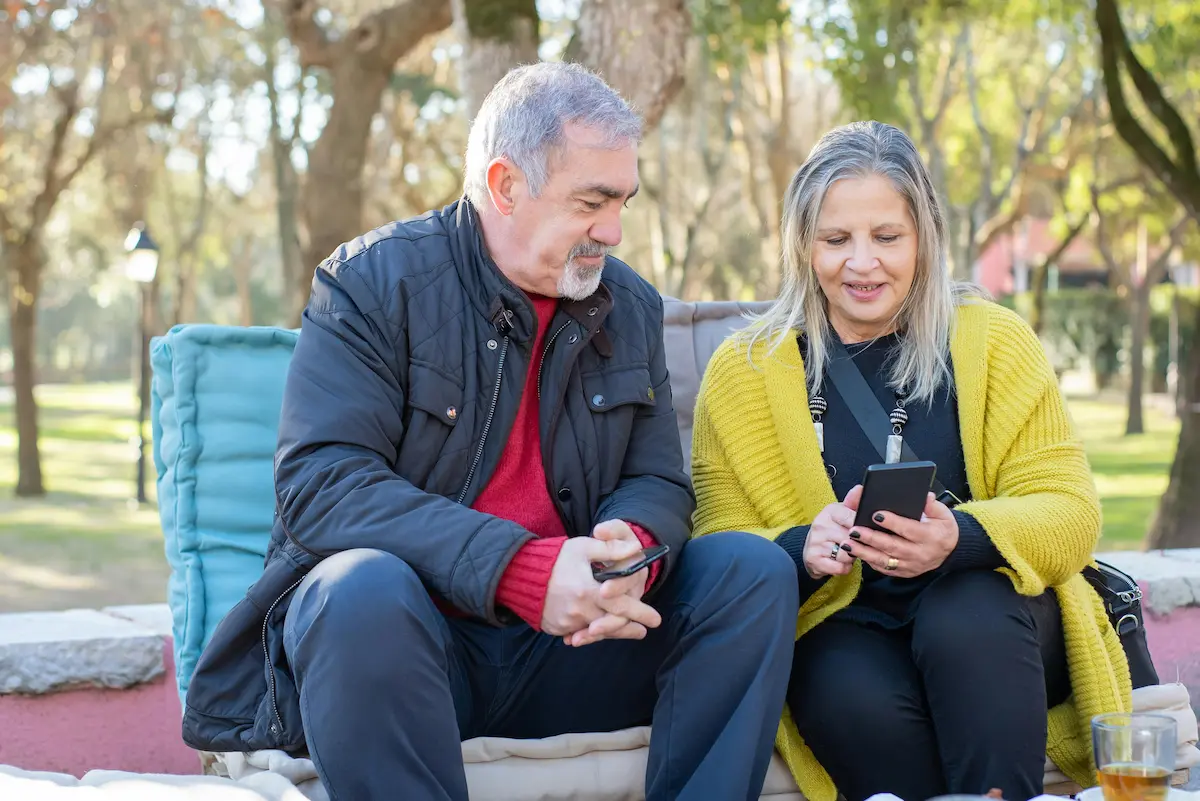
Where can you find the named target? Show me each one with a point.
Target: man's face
(568, 229)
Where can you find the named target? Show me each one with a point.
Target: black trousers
(954, 702)
(389, 686)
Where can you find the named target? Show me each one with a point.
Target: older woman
(950, 653)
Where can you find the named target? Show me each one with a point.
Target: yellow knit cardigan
(756, 467)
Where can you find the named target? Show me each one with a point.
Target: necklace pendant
(820, 429)
(895, 446)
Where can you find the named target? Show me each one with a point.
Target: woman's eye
(837, 241)
(887, 238)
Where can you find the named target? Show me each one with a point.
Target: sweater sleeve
(1043, 514)
(793, 541)
(975, 550)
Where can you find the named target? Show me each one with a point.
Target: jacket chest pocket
(615, 397)
(435, 407)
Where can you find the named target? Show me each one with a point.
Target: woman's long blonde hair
(925, 320)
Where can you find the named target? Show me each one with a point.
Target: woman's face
(865, 255)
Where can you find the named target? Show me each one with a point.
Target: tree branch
(985, 136)
(316, 49)
(68, 111)
(389, 33)
(1152, 95)
(945, 93)
(1158, 267)
(1113, 45)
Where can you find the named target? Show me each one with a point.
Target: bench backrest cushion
(215, 400)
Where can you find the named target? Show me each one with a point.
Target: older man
(477, 414)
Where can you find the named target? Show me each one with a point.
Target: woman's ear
(502, 178)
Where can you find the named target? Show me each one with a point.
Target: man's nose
(608, 230)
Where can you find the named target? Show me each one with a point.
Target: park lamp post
(140, 266)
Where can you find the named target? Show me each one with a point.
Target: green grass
(1131, 472)
(85, 544)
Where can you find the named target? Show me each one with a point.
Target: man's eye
(591, 206)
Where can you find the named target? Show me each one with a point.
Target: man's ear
(503, 178)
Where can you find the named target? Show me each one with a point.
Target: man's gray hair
(523, 117)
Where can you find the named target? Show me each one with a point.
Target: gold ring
(892, 563)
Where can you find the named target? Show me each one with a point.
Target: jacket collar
(496, 298)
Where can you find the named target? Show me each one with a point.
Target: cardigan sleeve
(721, 502)
(1042, 511)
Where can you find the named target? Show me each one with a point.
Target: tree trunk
(333, 192)
(496, 36)
(241, 275)
(639, 47)
(1040, 271)
(1177, 524)
(1139, 324)
(360, 66)
(286, 199)
(23, 326)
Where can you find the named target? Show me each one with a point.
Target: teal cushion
(215, 401)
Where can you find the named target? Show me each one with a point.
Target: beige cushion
(611, 766)
(691, 334)
(578, 767)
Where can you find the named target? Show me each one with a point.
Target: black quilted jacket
(400, 395)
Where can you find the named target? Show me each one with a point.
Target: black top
(932, 433)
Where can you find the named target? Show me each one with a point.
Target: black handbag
(1122, 599)
(1120, 594)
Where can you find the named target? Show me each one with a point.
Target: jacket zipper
(267, 653)
(487, 425)
(545, 352)
(550, 431)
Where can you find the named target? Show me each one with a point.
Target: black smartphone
(649, 557)
(900, 488)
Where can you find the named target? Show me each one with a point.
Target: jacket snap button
(491, 344)
(597, 400)
(592, 311)
(564, 494)
(274, 729)
(572, 339)
(452, 413)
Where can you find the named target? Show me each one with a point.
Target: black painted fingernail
(854, 535)
(846, 547)
(877, 517)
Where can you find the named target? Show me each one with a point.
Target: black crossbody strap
(844, 374)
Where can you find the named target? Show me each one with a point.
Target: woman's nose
(862, 258)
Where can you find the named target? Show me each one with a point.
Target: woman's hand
(914, 548)
(823, 553)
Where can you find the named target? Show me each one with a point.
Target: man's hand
(626, 617)
(574, 600)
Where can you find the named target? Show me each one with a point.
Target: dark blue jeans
(389, 687)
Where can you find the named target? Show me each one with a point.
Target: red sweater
(517, 491)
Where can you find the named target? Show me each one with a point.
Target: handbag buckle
(1127, 624)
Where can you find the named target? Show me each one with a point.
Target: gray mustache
(588, 249)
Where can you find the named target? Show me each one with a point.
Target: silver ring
(836, 550)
